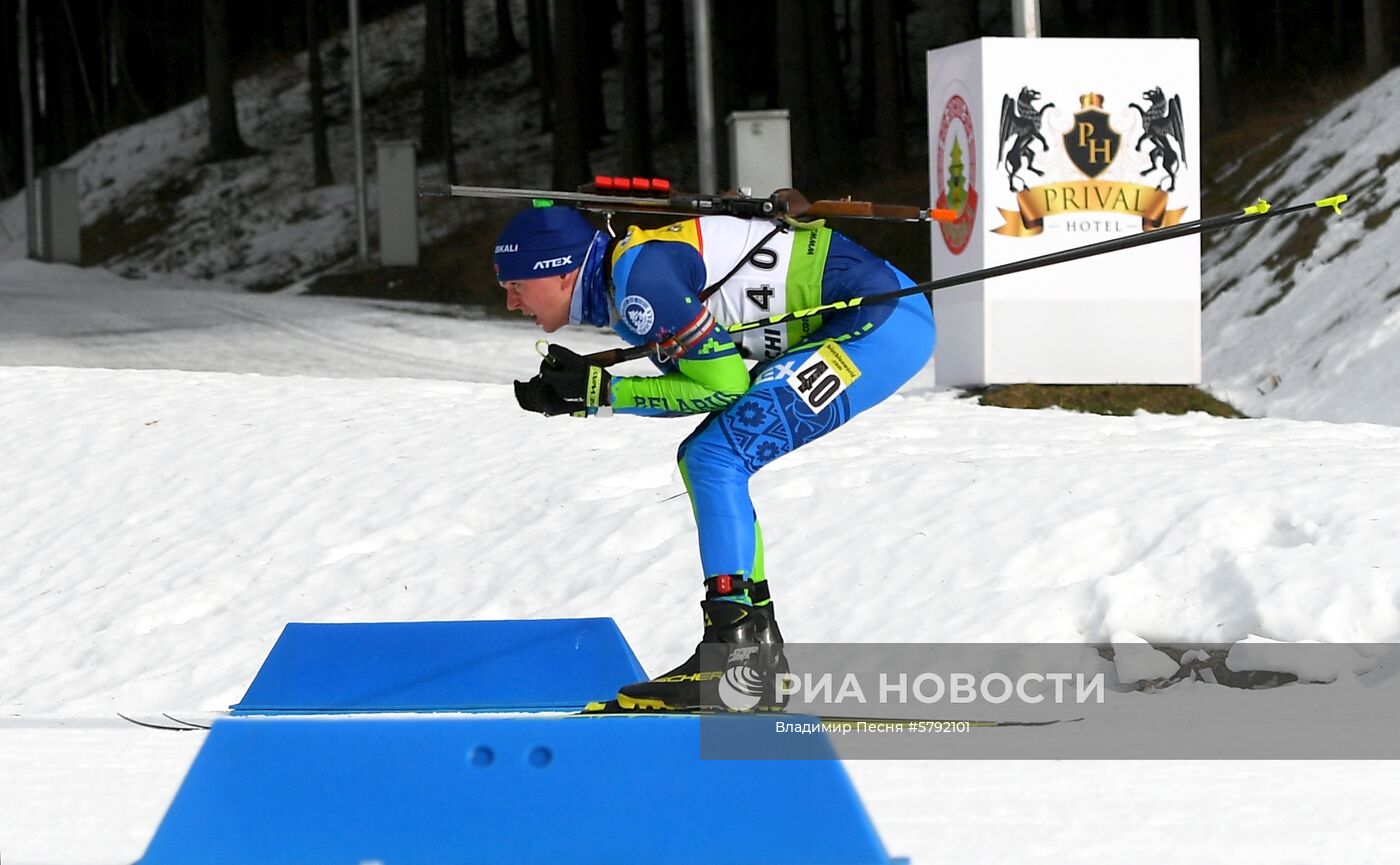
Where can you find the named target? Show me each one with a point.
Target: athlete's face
(546, 299)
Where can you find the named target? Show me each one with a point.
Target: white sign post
(1043, 145)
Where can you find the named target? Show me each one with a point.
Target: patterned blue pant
(771, 419)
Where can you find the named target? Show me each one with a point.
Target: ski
(176, 726)
(610, 707)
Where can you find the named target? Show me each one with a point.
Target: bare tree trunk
(1161, 18)
(506, 43)
(1338, 29)
(570, 102)
(104, 63)
(448, 147)
(795, 89)
(636, 100)
(814, 92)
(80, 18)
(129, 106)
(865, 105)
(61, 86)
(1377, 51)
(434, 73)
(320, 153)
(889, 129)
(11, 159)
(1227, 38)
(596, 48)
(831, 117)
(437, 87)
(760, 69)
(542, 59)
(959, 22)
(456, 38)
(675, 87)
(906, 89)
(225, 142)
(1211, 115)
(731, 24)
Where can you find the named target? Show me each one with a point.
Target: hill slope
(1302, 317)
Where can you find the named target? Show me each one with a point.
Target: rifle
(654, 195)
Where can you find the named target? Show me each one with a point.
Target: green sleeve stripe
(697, 387)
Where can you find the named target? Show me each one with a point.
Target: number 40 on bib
(822, 377)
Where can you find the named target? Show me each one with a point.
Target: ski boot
(735, 668)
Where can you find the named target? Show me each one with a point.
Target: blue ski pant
(771, 419)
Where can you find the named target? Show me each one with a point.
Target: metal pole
(31, 201)
(1025, 18)
(704, 96)
(357, 122)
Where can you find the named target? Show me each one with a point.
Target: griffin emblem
(1161, 122)
(1020, 124)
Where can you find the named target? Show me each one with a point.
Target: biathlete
(676, 288)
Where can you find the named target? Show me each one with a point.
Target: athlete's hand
(574, 379)
(534, 395)
(567, 384)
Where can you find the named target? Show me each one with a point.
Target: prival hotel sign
(1042, 145)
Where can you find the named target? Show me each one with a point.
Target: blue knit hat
(542, 241)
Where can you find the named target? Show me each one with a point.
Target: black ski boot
(736, 666)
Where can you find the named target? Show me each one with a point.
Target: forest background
(850, 72)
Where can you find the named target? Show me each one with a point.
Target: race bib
(823, 376)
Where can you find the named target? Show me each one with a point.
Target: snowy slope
(165, 520)
(1303, 315)
(60, 316)
(257, 220)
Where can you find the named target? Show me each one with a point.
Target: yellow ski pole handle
(1335, 202)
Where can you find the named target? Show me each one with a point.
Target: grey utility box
(760, 151)
(398, 204)
(62, 229)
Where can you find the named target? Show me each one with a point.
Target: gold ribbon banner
(1084, 196)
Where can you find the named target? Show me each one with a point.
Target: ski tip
(1258, 208)
(173, 726)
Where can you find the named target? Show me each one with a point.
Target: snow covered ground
(1303, 317)
(187, 469)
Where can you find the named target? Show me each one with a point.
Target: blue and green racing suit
(812, 375)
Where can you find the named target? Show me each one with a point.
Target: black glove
(567, 384)
(535, 395)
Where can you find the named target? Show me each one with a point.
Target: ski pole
(1254, 213)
